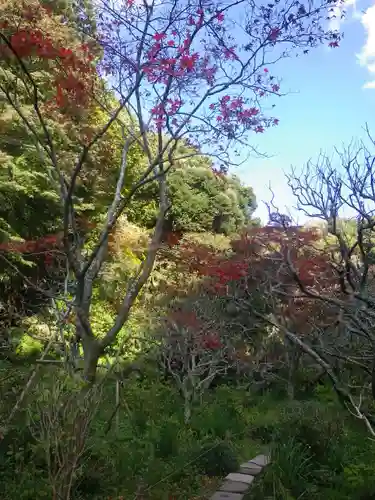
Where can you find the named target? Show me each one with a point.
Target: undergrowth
(317, 450)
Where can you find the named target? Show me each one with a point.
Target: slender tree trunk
(373, 377)
(290, 384)
(117, 405)
(91, 355)
(291, 356)
(187, 407)
(63, 489)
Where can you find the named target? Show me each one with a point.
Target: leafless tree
(194, 357)
(338, 329)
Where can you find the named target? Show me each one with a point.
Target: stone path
(237, 484)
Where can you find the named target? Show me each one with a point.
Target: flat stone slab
(234, 487)
(226, 495)
(250, 468)
(240, 478)
(236, 484)
(260, 460)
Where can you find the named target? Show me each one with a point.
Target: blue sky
(332, 97)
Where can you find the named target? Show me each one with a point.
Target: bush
(217, 421)
(217, 459)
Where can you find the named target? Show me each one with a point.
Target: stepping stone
(224, 495)
(240, 478)
(260, 460)
(234, 487)
(250, 468)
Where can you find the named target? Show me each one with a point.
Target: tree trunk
(63, 489)
(293, 358)
(291, 371)
(187, 407)
(373, 378)
(91, 355)
(290, 385)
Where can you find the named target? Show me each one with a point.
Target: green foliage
(203, 201)
(215, 242)
(150, 444)
(317, 452)
(127, 252)
(217, 459)
(28, 346)
(291, 470)
(359, 477)
(103, 317)
(25, 193)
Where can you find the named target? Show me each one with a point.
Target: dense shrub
(217, 459)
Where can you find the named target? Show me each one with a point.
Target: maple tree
(178, 75)
(26, 40)
(254, 284)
